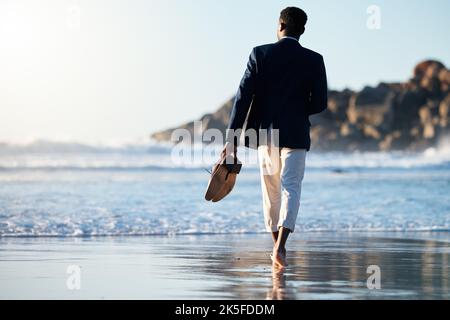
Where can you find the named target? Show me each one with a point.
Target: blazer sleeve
(244, 95)
(319, 89)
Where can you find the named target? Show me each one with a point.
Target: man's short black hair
(295, 20)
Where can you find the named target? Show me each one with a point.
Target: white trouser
(282, 171)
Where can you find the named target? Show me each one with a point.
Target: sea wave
(171, 201)
(47, 155)
(81, 234)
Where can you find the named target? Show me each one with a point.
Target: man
(283, 85)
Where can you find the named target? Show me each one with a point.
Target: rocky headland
(413, 115)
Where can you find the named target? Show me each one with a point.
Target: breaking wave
(47, 155)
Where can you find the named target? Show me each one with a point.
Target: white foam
(143, 154)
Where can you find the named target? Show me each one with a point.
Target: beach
(322, 266)
(129, 223)
(114, 116)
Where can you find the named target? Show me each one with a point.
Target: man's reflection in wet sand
(331, 267)
(279, 290)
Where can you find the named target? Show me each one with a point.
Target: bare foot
(279, 258)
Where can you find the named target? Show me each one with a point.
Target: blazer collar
(291, 38)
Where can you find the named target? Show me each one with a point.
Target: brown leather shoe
(223, 178)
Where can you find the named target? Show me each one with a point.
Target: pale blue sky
(129, 68)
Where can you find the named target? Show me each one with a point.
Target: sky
(115, 70)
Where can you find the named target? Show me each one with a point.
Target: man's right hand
(228, 150)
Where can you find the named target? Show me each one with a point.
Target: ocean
(78, 190)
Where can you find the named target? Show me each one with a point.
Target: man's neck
(289, 37)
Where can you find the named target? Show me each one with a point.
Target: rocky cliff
(391, 116)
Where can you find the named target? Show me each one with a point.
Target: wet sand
(322, 266)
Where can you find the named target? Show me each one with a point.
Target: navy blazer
(283, 85)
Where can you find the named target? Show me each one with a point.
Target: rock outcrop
(391, 116)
